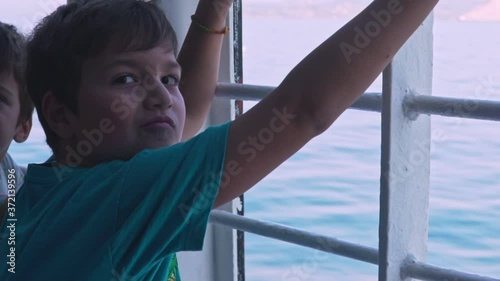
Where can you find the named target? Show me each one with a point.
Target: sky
(447, 9)
(25, 13)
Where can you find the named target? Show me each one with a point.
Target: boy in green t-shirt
(125, 193)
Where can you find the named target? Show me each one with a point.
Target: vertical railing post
(224, 239)
(217, 261)
(405, 159)
(239, 204)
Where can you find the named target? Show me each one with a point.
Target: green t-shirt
(117, 221)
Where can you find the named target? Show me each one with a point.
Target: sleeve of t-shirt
(166, 198)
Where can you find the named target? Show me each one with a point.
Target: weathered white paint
(217, 261)
(405, 161)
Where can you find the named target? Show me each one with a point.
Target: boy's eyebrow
(5, 90)
(172, 65)
(135, 64)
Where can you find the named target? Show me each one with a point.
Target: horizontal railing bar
(367, 102)
(454, 107)
(243, 91)
(418, 104)
(412, 268)
(423, 271)
(296, 236)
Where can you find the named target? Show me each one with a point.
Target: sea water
(332, 185)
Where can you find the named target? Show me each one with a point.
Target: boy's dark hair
(75, 32)
(13, 61)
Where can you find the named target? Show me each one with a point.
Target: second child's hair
(13, 61)
(75, 32)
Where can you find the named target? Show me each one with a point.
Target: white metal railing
(423, 271)
(453, 107)
(296, 236)
(411, 268)
(414, 104)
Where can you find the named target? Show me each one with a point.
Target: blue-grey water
(332, 185)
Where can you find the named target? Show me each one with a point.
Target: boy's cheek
(7, 130)
(120, 109)
(100, 132)
(4, 142)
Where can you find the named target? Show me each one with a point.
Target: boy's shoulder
(9, 170)
(9, 163)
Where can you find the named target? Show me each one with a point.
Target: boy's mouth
(159, 122)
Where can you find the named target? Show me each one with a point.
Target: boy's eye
(125, 79)
(170, 80)
(4, 99)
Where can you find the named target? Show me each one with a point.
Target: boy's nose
(157, 95)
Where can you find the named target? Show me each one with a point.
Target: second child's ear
(57, 116)
(23, 130)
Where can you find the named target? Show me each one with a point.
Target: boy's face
(127, 102)
(9, 114)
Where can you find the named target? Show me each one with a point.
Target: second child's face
(9, 111)
(128, 102)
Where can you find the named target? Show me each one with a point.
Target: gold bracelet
(224, 31)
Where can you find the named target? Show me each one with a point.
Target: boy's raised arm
(199, 59)
(317, 91)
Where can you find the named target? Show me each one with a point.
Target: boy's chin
(160, 144)
(157, 144)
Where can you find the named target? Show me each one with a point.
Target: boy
(16, 107)
(124, 194)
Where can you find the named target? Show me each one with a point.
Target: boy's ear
(23, 130)
(57, 115)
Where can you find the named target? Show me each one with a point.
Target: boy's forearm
(334, 75)
(199, 58)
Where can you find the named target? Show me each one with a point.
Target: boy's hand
(213, 11)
